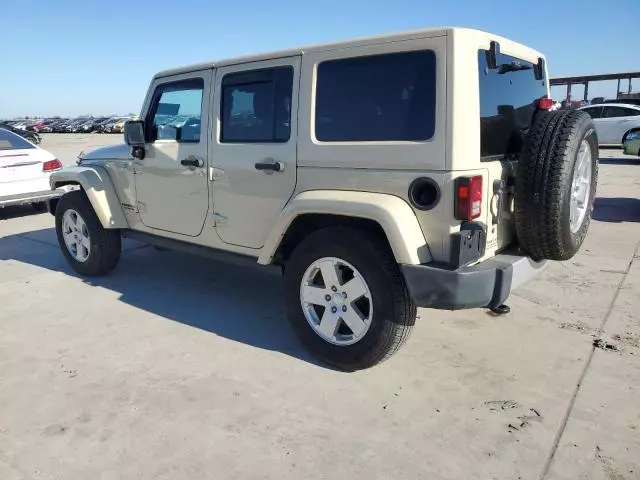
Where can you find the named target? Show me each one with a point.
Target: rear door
(253, 156)
(615, 122)
(508, 101)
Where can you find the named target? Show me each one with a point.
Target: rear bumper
(486, 284)
(32, 197)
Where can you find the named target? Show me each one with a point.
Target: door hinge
(215, 173)
(219, 220)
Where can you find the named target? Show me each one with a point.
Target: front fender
(393, 214)
(97, 185)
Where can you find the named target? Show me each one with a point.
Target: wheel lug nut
(334, 289)
(327, 297)
(344, 308)
(334, 309)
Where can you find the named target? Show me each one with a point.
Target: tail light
(468, 197)
(545, 103)
(51, 165)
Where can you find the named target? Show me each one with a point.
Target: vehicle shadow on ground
(241, 303)
(620, 161)
(616, 209)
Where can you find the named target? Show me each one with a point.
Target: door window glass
(256, 106)
(595, 112)
(176, 113)
(378, 98)
(613, 112)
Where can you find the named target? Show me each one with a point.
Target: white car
(613, 121)
(24, 171)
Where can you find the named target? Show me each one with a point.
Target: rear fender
(97, 185)
(394, 215)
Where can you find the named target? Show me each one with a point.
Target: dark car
(33, 137)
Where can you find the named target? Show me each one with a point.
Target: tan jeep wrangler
(420, 169)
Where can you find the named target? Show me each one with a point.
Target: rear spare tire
(556, 184)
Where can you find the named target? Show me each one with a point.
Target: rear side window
(378, 98)
(256, 106)
(11, 141)
(613, 112)
(508, 100)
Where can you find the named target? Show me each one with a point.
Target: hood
(111, 152)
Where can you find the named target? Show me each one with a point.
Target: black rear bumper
(486, 284)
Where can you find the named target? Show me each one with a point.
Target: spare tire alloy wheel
(580, 187)
(339, 312)
(556, 184)
(76, 235)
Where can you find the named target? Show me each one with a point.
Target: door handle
(270, 166)
(192, 161)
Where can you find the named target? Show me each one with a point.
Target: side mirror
(134, 133)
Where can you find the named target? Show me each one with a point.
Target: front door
(254, 147)
(171, 181)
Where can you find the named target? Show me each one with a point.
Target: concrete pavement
(178, 367)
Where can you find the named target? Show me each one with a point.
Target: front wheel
(346, 298)
(90, 249)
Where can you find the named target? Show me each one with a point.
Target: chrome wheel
(580, 187)
(336, 301)
(76, 235)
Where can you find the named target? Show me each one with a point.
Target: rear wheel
(346, 298)
(90, 249)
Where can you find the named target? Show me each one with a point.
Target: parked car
(24, 171)
(293, 144)
(631, 143)
(118, 127)
(33, 137)
(613, 121)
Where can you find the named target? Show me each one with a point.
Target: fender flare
(99, 189)
(393, 214)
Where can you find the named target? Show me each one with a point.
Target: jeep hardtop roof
(394, 37)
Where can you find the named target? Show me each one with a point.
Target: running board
(199, 250)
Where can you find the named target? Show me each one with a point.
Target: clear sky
(72, 57)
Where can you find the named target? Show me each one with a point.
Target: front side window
(256, 106)
(378, 98)
(176, 112)
(595, 112)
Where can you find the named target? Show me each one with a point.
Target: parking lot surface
(177, 367)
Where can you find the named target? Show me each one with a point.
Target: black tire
(544, 182)
(105, 244)
(32, 139)
(393, 311)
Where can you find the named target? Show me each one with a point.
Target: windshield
(508, 100)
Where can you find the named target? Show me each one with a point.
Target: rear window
(378, 98)
(508, 97)
(11, 141)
